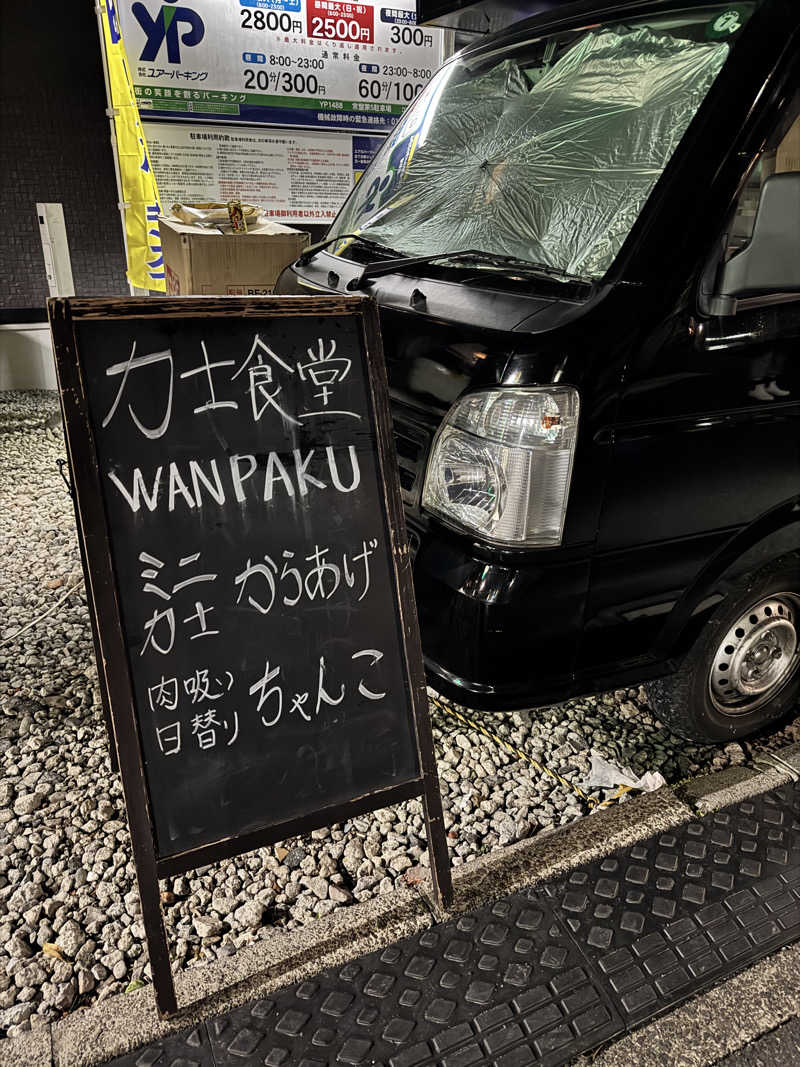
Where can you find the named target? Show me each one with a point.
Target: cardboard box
(206, 262)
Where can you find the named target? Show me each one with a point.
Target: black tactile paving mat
(541, 976)
(190, 1048)
(672, 914)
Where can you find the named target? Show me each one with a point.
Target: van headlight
(501, 462)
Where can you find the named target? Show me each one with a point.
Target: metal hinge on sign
(62, 470)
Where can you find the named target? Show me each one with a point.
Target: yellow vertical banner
(139, 190)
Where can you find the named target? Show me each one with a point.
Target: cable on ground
(519, 753)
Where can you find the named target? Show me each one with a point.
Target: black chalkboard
(241, 520)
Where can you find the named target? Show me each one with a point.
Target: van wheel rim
(757, 657)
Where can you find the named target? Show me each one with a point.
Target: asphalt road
(778, 1048)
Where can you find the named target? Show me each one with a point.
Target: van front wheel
(743, 674)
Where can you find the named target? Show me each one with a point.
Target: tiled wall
(55, 147)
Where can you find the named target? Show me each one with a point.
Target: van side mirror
(770, 263)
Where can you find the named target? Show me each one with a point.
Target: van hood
(442, 337)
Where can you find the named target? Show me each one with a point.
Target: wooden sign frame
(104, 604)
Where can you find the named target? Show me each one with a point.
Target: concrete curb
(124, 1022)
(710, 792)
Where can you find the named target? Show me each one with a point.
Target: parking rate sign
(328, 64)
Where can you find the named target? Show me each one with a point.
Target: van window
(781, 154)
(545, 150)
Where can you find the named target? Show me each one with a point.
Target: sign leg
(157, 947)
(112, 744)
(101, 674)
(441, 875)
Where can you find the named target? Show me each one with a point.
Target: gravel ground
(70, 925)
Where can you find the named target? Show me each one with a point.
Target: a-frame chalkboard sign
(240, 514)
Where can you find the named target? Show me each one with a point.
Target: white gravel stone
(250, 914)
(31, 975)
(353, 854)
(66, 994)
(205, 926)
(71, 938)
(318, 886)
(28, 803)
(18, 947)
(339, 895)
(13, 1016)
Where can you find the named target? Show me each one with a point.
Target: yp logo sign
(166, 27)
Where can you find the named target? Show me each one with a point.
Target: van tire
(747, 625)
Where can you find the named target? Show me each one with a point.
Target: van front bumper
(498, 635)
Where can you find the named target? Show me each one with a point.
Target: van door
(707, 440)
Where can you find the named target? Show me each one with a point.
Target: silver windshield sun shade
(551, 165)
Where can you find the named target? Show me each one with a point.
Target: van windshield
(544, 150)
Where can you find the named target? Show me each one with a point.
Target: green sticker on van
(725, 24)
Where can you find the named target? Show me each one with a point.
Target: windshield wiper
(390, 266)
(309, 253)
(526, 266)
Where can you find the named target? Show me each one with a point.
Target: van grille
(411, 442)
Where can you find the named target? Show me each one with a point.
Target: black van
(584, 240)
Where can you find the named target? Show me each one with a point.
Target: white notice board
(295, 175)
